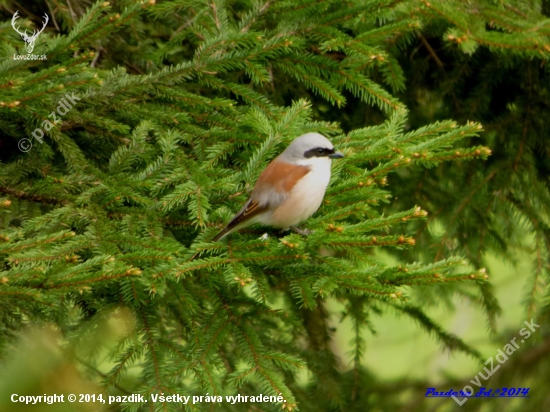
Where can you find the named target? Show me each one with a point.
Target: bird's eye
(320, 151)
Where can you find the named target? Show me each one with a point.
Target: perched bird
(291, 188)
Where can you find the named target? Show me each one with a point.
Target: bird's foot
(303, 232)
(264, 237)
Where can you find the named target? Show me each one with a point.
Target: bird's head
(310, 149)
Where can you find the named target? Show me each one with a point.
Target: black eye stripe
(318, 152)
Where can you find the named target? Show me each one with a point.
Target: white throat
(316, 164)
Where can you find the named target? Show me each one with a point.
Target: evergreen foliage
(181, 106)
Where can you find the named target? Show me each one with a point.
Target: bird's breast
(304, 199)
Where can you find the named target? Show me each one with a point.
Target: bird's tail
(220, 235)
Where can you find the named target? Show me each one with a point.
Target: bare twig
(430, 49)
(53, 16)
(96, 57)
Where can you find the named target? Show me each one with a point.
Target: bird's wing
(276, 182)
(249, 210)
(271, 189)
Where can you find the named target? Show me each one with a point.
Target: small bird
(291, 188)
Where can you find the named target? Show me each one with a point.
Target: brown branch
(32, 197)
(430, 49)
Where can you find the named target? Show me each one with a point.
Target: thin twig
(73, 14)
(96, 57)
(53, 16)
(430, 49)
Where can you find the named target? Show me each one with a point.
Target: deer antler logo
(28, 39)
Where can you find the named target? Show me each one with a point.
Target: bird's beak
(336, 155)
